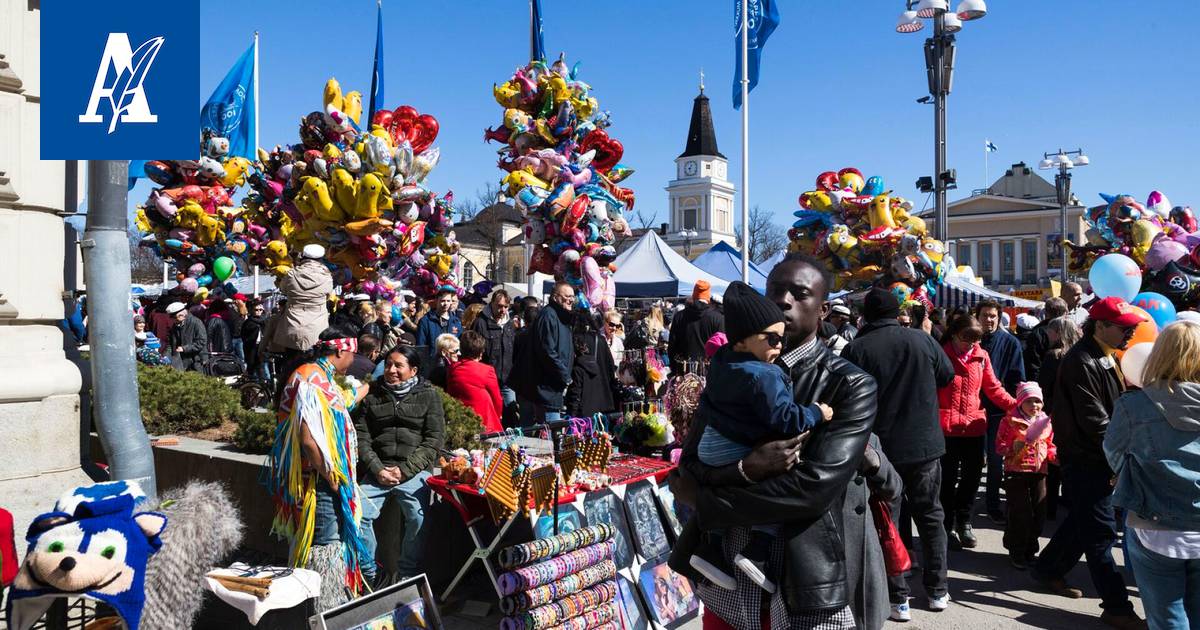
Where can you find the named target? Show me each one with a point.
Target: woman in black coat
(593, 375)
(1062, 333)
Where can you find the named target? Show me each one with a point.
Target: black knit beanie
(881, 304)
(747, 312)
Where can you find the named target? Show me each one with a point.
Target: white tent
(652, 269)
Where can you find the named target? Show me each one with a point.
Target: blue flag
(377, 73)
(990, 146)
(537, 48)
(230, 111)
(764, 17)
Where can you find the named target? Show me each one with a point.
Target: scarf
(401, 389)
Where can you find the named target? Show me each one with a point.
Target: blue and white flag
(764, 17)
(230, 111)
(990, 146)
(377, 73)
(537, 47)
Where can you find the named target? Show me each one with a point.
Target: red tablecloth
(474, 506)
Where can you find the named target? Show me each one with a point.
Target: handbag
(895, 555)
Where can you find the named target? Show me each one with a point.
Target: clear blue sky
(1119, 78)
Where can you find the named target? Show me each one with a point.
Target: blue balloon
(1115, 275)
(874, 186)
(1159, 307)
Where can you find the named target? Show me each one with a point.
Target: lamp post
(939, 67)
(1063, 161)
(688, 235)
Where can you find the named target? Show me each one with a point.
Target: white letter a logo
(125, 97)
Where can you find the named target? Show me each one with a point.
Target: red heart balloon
(608, 150)
(424, 132)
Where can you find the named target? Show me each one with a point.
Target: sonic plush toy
(93, 545)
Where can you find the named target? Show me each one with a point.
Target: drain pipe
(110, 326)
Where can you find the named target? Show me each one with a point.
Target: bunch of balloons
(563, 170)
(191, 219)
(1131, 246)
(867, 236)
(360, 195)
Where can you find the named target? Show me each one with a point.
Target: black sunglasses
(615, 325)
(773, 339)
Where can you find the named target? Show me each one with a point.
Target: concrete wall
(39, 387)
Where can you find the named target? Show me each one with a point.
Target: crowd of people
(815, 414)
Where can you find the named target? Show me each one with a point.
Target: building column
(1042, 268)
(995, 261)
(975, 255)
(1018, 269)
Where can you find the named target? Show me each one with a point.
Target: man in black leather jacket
(797, 483)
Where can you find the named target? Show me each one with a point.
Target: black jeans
(962, 467)
(922, 487)
(1089, 530)
(995, 465)
(1026, 512)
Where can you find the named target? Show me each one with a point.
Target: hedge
(183, 402)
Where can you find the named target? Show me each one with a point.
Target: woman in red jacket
(474, 383)
(964, 423)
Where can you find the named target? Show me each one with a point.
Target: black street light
(939, 67)
(1063, 161)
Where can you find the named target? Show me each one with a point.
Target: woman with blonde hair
(1152, 443)
(470, 314)
(446, 352)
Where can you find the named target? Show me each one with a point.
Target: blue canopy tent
(725, 262)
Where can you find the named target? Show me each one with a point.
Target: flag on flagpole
(990, 146)
(764, 17)
(377, 73)
(231, 111)
(537, 47)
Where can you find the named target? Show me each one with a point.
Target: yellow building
(1010, 233)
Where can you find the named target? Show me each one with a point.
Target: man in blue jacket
(1009, 366)
(441, 320)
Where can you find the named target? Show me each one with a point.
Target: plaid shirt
(743, 607)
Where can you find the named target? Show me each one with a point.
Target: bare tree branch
(645, 220)
(766, 237)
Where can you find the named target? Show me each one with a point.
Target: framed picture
(647, 526)
(569, 520)
(632, 609)
(669, 596)
(605, 507)
(666, 502)
(405, 605)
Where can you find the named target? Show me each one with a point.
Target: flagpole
(987, 144)
(745, 141)
(257, 106)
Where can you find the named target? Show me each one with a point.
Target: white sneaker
(938, 604)
(900, 612)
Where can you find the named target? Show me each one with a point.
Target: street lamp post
(939, 67)
(688, 235)
(1063, 161)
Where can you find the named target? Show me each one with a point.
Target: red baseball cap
(1114, 310)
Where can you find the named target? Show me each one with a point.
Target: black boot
(966, 535)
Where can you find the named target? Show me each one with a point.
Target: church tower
(700, 197)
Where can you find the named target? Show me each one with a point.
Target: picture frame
(641, 508)
(605, 507)
(666, 503)
(570, 518)
(633, 610)
(670, 598)
(406, 605)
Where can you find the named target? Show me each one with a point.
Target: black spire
(702, 140)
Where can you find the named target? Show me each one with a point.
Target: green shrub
(462, 423)
(181, 402)
(255, 432)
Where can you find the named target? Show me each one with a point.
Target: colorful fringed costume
(312, 398)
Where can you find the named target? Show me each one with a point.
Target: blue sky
(838, 85)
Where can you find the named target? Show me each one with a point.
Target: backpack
(222, 364)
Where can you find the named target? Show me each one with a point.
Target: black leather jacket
(808, 499)
(1084, 396)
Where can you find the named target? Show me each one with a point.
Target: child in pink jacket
(1026, 441)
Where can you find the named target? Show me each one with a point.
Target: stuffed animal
(92, 544)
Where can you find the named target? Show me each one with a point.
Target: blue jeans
(326, 530)
(413, 496)
(1170, 588)
(1089, 530)
(509, 400)
(542, 413)
(238, 350)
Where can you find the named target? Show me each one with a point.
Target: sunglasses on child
(773, 339)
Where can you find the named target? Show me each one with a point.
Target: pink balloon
(610, 291)
(190, 285)
(593, 283)
(1163, 252)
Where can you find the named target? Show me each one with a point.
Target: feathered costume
(313, 398)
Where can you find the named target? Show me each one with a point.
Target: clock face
(689, 168)
(721, 171)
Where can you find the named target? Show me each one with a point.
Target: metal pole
(110, 326)
(1062, 218)
(939, 126)
(531, 279)
(745, 141)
